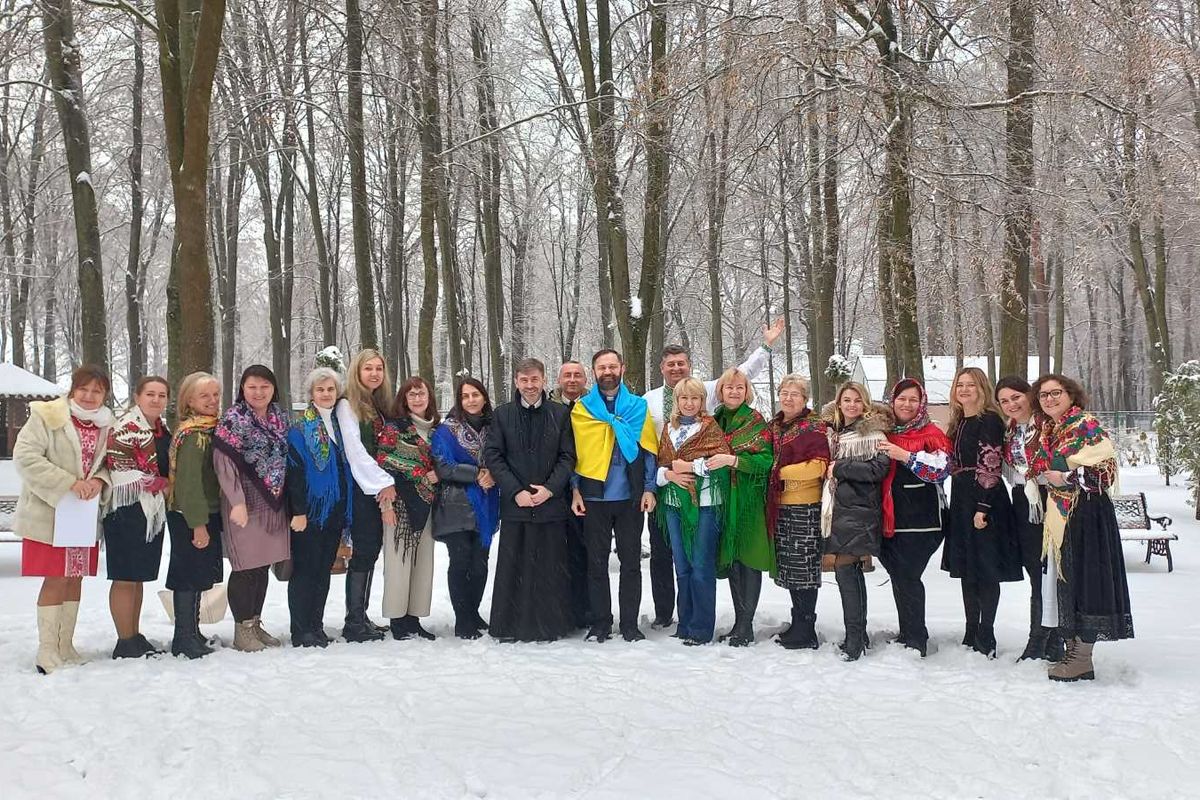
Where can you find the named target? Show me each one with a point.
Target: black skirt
(991, 555)
(191, 569)
(126, 552)
(1093, 600)
(1029, 534)
(798, 546)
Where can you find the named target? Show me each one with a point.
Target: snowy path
(479, 719)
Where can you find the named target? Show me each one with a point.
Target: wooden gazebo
(17, 388)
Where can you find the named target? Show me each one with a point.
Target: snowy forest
(203, 184)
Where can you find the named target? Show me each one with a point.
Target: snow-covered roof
(19, 383)
(939, 374)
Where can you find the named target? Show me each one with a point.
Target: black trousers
(623, 520)
(905, 557)
(366, 533)
(662, 572)
(313, 554)
(1029, 538)
(466, 576)
(577, 569)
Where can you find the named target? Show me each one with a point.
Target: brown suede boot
(261, 634)
(245, 637)
(1076, 665)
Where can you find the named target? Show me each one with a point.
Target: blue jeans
(697, 576)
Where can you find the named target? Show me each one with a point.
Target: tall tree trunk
(1018, 210)
(65, 69)
(325, 269)
(24, 285)
(136, 366)
(368, 335)
(189, 43)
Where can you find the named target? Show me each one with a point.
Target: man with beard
(530, 452)
(614, 485)
(676, 365)
(572, 383)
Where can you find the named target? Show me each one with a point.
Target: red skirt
(40, 560)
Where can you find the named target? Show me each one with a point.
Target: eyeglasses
(1052, 394)
(791, 395)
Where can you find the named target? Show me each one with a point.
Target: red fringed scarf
(917, 435)
(797, 440)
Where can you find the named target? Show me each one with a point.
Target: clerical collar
(526, 404)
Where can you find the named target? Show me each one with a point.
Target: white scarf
(101, 417)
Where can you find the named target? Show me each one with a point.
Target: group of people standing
(561, 476)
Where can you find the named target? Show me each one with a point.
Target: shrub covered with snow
(839, 369)
(332, 357)
(1177, 423)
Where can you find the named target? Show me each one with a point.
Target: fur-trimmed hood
(879, 418)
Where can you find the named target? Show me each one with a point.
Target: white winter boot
(48, 659)
(66, 633)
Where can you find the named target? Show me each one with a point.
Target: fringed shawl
(749, 439)
(258, 446)
(323, 459)
(802, 438)
(1075, 441)
(858, 441)
(132, 460)
(200, 426)
(706, 442)
(402, 451)
(456, 442)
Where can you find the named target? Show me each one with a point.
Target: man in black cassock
(530, 452)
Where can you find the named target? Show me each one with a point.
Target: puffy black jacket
(859, 470)
(452, 511)
(529, 447)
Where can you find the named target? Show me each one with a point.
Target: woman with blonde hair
(852, 511)
(981, 541)
(794, 507)
(746, 550)
(360, 417)
(193, 510)
(691, 497)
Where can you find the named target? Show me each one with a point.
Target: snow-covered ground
(655, 719)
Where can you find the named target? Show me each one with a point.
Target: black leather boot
(188, 641)
(742, 634)
(1035, 648)
(802, 634)
(735, 592)
(358, 628)
(853, 610)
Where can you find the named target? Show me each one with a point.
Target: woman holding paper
(59, 455)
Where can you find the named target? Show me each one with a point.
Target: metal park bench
(1134, 521)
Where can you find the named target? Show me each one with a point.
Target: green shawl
(744, 533)
(706, 442)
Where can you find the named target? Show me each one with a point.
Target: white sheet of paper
(75, 521)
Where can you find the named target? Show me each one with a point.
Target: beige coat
(48, 457)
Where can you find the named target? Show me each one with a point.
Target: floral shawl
(708, 441)
(326, 473)
(456, 442)
(132, 460)
(258, 446)
(1078, 445)
(802, 438)
(749, 439)
(402, 451)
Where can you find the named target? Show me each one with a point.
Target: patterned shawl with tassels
(132, 460)
(456, 442)
(799, 439)
(1075, 442)
(326, 473)
(402, 451)
(708, 441)
(918, 435)
(749, 439)
(257, 445)
(202, 427)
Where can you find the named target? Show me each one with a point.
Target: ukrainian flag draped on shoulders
(597, 430)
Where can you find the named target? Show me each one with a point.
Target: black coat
(857, 528)
(527, 447)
